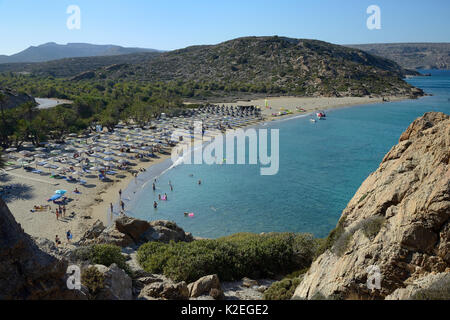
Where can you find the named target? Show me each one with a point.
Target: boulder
(117, 283)
(113, 236)
(204, 285)
(166, 231)
(429, 287)
(94, 231)
(406, 205)
(249, 283)
(165, 290)
(131, 232)
(134, 228)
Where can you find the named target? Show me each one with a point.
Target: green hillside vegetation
(231, 258)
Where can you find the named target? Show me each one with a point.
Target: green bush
(341, 244)
(104, 254)
(372, 226)
(93, 279)
(282, 290)
(328, 242)
(230, 257)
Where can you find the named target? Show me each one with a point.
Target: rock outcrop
(117, 284)
(165, 290)
(27, 272)
(204, 285)
(397, 222)
(130, 232)
(14, 99)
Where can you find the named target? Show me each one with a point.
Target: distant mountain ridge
(411, 55)
(53, 51)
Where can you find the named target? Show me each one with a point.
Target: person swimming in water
(155, 205)
(199, 182)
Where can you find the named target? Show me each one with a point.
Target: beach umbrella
(109, 158)
(55, 197)
(61, 192)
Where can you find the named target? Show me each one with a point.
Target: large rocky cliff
(398, 221)
(26, 272)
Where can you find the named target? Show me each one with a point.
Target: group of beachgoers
(161, 197)
(69, 237)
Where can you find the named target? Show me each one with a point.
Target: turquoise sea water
(321, 167)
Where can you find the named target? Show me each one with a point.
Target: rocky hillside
(398, 221)
(412, 55)
(26, 272)
(10, 99)
(264, 65)
(296, 66)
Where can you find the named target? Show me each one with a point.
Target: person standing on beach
(122, 204)
(112, 208)
(57, 241)
(120, 193)
(154, 186)
(64, 211)
(57, 214)
(69, 236)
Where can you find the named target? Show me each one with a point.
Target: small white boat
(312, 120)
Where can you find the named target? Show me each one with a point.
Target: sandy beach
(93, 203)
(309, 104)
(90, 205)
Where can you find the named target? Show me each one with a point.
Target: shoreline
(94, 202)
(130, 191)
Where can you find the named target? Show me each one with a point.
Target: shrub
(341, 244)
(372, 226)
(282, 290)
(104, 254)
(93, 280)
(328, 242)
(230, 257)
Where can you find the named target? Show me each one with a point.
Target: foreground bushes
(104, 254)
(93, 280)
(284, 289)
(230, 257)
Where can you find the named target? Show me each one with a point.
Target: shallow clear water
(321, 167)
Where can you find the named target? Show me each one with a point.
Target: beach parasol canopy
(55, 197)
(61, 192)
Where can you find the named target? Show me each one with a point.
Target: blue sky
(172, 24)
